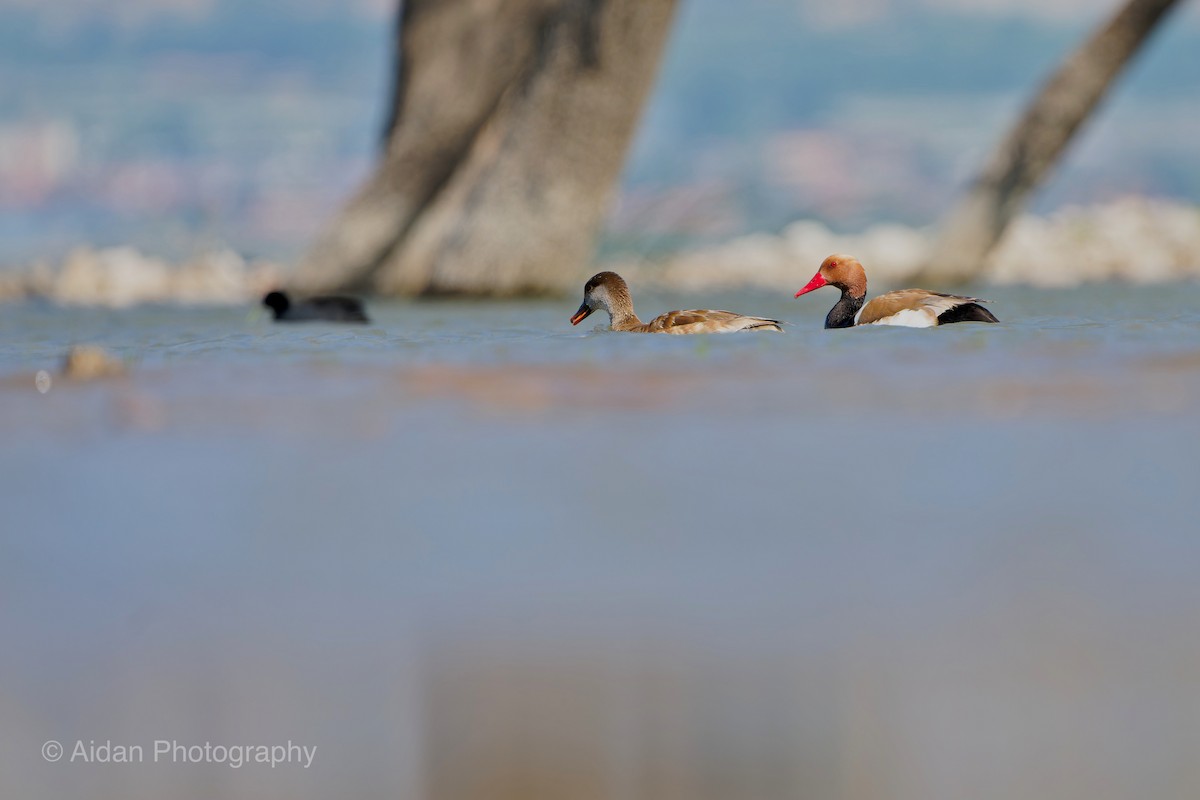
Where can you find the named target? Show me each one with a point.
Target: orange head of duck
(842, 271)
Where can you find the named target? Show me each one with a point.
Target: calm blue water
(870, 563)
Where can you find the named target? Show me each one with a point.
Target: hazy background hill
(175, 125)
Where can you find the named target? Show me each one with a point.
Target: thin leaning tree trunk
(1031, 149)
(510, 123)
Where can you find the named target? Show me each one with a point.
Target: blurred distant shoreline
(1138, 240)
(1134, 239)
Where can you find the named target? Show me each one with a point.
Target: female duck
(912, 308)
(608, 291)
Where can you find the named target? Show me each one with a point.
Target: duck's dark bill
(581, 314)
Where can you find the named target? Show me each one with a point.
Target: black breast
(843, 311)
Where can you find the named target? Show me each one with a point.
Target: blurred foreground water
(470, 551)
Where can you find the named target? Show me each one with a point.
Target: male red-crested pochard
(608, 291)
(911, 308)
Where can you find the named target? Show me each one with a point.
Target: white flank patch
(908, 318)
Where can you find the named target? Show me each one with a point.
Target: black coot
(315, 309)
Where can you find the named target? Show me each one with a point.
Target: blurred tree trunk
(1034, 145)
(509, 124)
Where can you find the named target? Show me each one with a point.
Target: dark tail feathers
(967, 312)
